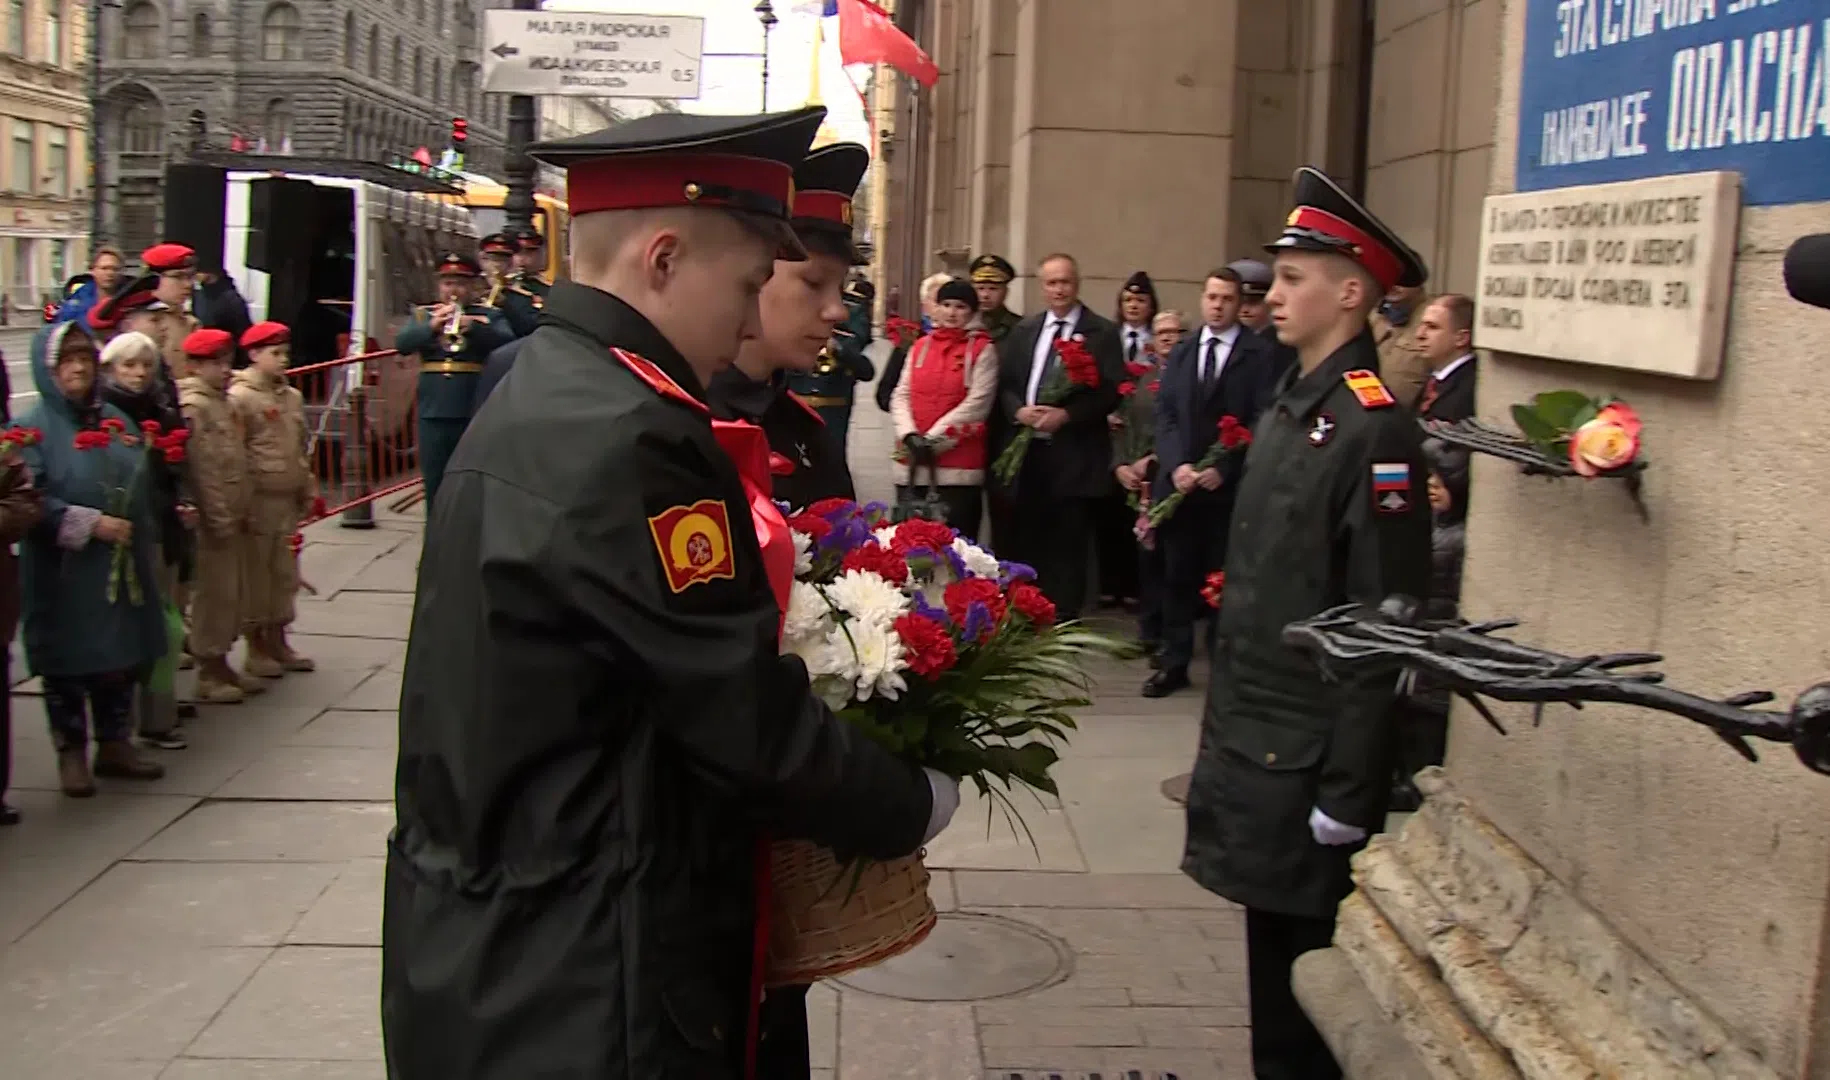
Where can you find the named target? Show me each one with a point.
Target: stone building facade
(1610, 892)
(327, 78)
(44, 152)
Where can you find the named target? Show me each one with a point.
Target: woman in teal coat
(88, 648)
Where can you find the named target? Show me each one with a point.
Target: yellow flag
(815, 96)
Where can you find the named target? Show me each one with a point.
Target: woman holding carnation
(801, 305)
(87, 645)
(942, 402)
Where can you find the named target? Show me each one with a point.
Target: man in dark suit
(1445, 338)
(1225, 370)
(1069, 463)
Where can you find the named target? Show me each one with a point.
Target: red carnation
(874, 558)
(25, 436)
(828, 506)
(1031, 604)
(964, 593)
(1214, 589)
(1137, 369)
(1126, 389)
(180, 435)
(921, 533)
(151, 428)
(174, 455)
(90, 440)
(1233, 434)
(926, 646)
(1153, 384)
(1082, 369)
(113, 425)
(812, 525)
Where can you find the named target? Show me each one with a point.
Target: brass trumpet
(454, 332)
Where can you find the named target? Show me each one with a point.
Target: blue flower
(876, 511)
(957, 564)
(929, 611)
(978, 621)
(1010, 572)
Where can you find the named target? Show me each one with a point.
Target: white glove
(1331, 833)
(946, 801)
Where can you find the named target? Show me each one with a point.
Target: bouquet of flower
(1233, 437)
(934, 648)
(1214, 588)
(1598, 436)
(1076, 369)
(1137, 438)
(152, 439)
(901, 332)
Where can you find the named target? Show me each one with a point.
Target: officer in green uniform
(452, 340)
(497, 253)
(991, 278)
(1294, 771)
(828, 388)
(596, 722)
(523, 290)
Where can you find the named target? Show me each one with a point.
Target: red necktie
(1430, 390)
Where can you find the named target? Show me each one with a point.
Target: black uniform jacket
(795, 432)
(1079, 456)
(594, 724)
(1332, 509)
(501, 361)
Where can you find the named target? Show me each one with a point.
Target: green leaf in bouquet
(1534, 427)
(1559, 408)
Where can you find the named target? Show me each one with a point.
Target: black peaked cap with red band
(458, 264)
(1328, 219)
(134, 295)
(497, 244)
(824, 186)
(743, 163)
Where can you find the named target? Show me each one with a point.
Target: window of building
(399, 67)
(25, 255)
(276, 129)
(438, 82)
(419, 73)
(349, 40)
(142, 127)
(282, 34)
(15, 27)
(200, 36)
(54, 32)
(139, 220)
(57, 161)
(22, 173)
(140, 32)
(60, 260)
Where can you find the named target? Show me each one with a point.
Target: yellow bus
(485, 197)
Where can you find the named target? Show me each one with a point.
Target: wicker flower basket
(827, 918)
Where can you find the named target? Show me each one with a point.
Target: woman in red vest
(943, 399)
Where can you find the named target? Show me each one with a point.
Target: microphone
(1807, 270)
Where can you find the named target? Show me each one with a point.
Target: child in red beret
(223, 489)
(278, 451)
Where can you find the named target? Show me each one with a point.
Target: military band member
(529, 265)
(991, 278)
(1294, 771)
(829, 386)
(595, 718)
(451, 339)
(496, 255)
(522, 291)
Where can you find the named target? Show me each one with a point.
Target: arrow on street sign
(592, 54)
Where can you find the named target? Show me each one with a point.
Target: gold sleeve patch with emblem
(694, 543)
(1371, 392)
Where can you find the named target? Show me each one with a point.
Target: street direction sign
(592, 54)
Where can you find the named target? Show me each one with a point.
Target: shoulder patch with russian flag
(1391, 483)
(1369, 389)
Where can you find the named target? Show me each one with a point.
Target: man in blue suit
(1224, 370)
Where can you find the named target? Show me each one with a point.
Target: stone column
(994, 39)
(1122, 142)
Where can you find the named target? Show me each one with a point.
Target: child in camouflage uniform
(217, 455)
(273, 414)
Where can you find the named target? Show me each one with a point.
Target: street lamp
(518, 205)
(765, 14)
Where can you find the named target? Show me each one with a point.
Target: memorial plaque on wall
(1630, 275)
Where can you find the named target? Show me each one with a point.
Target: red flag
(867, 35)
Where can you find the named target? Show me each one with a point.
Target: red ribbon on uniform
(748, 448)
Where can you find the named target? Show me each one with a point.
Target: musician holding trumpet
(452, 338)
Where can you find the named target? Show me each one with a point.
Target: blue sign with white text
(1625, 89)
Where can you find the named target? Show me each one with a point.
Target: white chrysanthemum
(870, 654)
(809, 616)
(884, 535)
(979, 562)
(867, 597)
(803, 553)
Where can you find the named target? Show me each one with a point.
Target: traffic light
(460, 133)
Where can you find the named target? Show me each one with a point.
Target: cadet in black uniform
(1294, 772)
(802, 299)
(595, 721)
(523, 290)
(828, 387)
(452, 340)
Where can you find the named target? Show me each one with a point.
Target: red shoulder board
(658, 381)
(811, 411)
(1367, 387)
